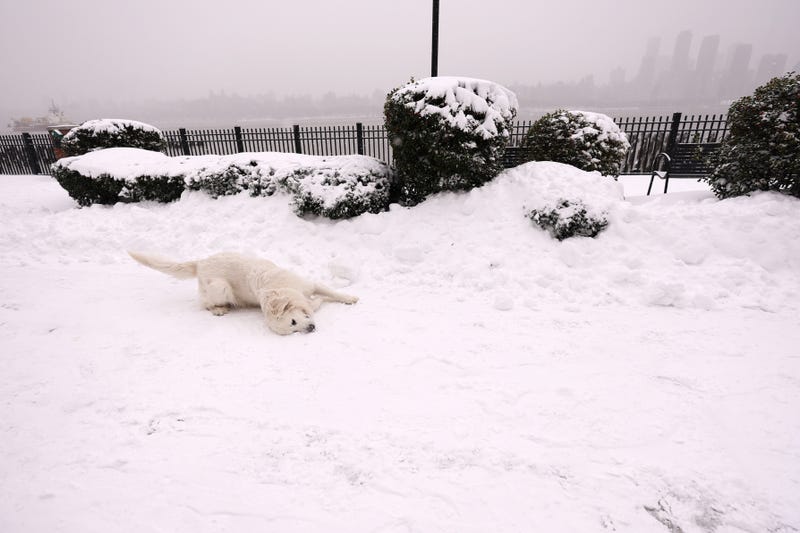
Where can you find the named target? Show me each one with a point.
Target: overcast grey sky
(166, 49)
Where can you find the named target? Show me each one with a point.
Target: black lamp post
(435, 41)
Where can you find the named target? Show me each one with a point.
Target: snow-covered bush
(763, 150)
(588, 141)
(112, 133)
(447, 133)
(339, 193)
(223, 177)
(118, 175)
(333, 187)
(568, 219)
(106, 189)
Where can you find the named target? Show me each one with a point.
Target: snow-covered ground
(490, 378)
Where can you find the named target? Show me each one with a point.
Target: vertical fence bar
(237, 133)
(298, 146)
(184, 141)
(359, 138)
(673, 131)
(30, 153)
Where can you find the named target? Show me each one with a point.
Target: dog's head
(288, 311)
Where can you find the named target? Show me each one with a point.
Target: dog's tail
(179, 270)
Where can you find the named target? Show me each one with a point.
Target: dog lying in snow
(231, 280)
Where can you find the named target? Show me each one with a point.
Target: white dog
(231, 280)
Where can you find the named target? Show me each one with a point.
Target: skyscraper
(736, 80)
(647, 70)
(674, 84)
(704, 69)
(680, 56)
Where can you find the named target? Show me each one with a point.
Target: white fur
(231, 280)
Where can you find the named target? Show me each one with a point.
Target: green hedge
(762, 152)
(588, 141)
(106, 189)
(112, 133)
(447, 134)
(332, 187)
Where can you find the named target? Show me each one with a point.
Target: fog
(100, 56)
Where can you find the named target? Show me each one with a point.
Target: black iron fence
(327, 140)
(650, 136)
(26, 153)
(34, 153)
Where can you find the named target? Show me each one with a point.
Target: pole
(435, 41)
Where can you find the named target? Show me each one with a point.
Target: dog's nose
(311, 327)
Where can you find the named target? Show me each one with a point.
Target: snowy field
(490, 379)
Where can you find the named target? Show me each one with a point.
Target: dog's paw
(219, 310)
(350, 300)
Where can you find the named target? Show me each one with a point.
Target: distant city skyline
(711, 78)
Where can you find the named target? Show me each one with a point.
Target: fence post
(298, 148)
(30, 153)
(237, 132)
(184, 141)
(673, 132)
(360, 138)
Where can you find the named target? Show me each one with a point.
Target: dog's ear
(277, 303)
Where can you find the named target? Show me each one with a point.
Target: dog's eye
(294, 322)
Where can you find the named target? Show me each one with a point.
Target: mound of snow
(542, 183)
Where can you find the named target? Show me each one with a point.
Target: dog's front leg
(216, 295)
(314, 302)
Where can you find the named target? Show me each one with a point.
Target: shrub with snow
(447, 133)
(106, 189)
(568, 219)
(225, 177)
(333, 187)
(118, 175)
(763, 150)
(112, 133)
(588, 141)
(339, 192)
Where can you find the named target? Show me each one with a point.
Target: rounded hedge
(447, 133)
(107, 189)
(112, 133)
(588, 141)
(762, 152)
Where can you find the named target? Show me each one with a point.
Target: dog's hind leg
(332, 295)
(216, 295)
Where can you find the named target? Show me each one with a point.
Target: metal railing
(34, 153)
